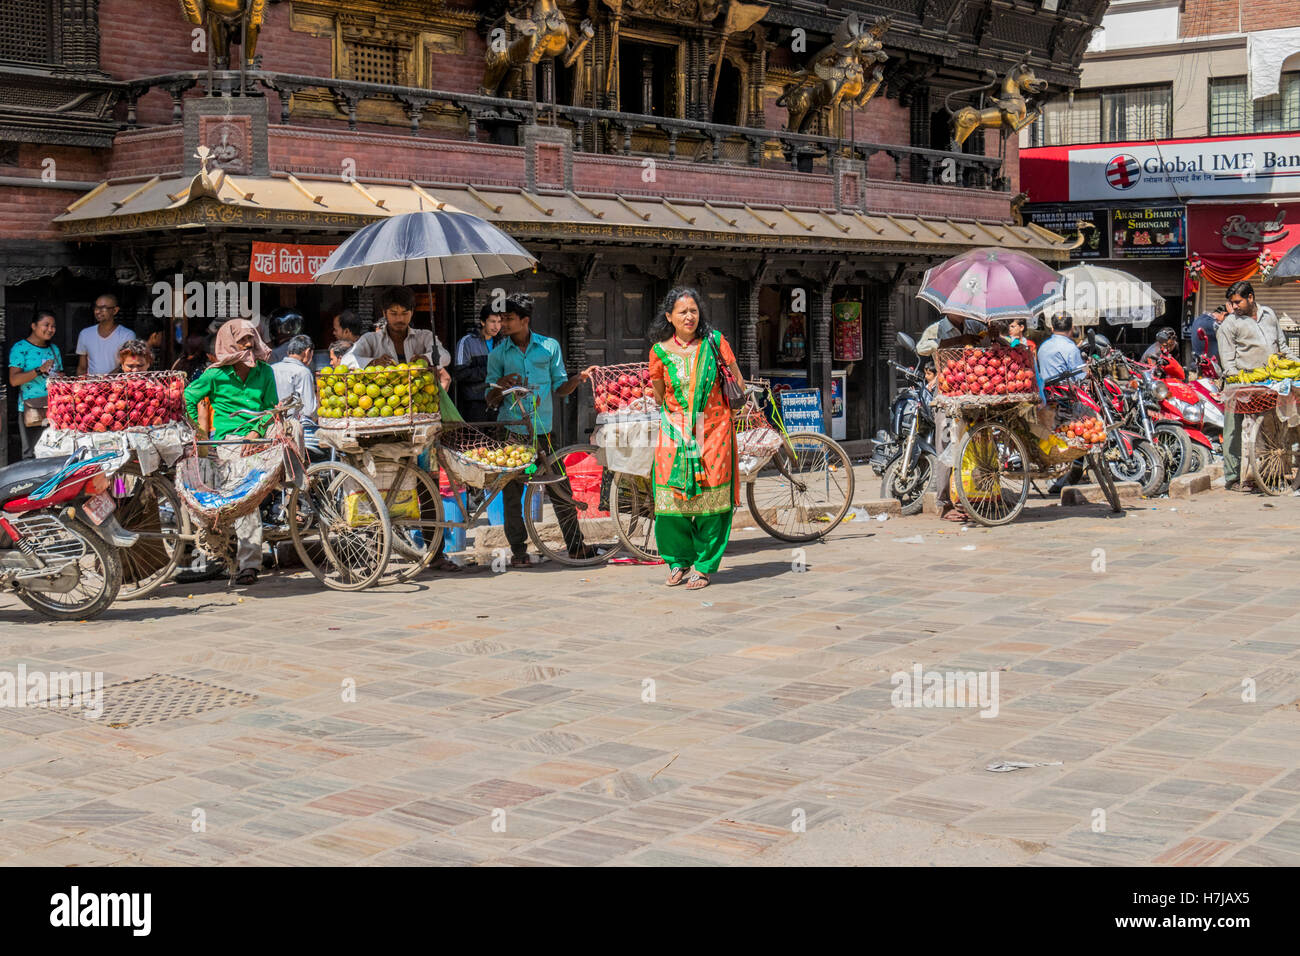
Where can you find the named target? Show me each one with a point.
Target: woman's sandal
(675, 577)
(698, 581)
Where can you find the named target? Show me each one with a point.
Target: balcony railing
(594, 131)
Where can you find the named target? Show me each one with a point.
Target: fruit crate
(114, 403)
(623, 392)
(475, 457)
(378, 399)
(998, 375)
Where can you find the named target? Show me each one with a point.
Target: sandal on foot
(246, 577)
(676, 576)
(698, 582)
(520, 561)
(446, 564)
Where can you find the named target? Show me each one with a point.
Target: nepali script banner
(280, 264)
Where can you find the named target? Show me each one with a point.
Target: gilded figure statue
(1009, 111)
(224, 20)
(543, 32)
(848, 69)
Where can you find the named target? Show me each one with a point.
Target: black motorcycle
(904, 457)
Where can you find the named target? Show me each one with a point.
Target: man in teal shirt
(526, 357)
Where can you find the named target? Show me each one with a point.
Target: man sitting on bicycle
(526, 357)
(240, 380)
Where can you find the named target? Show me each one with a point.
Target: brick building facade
(389, 94)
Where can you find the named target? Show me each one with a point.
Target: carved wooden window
(27, 32)
(373, 64)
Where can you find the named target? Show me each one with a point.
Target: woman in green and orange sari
(694, 472)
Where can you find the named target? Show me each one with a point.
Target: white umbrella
(1093, 293)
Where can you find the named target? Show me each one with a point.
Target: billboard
(1149, 232)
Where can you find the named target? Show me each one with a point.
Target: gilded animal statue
(1010, 111)
(543, 32)
(849, 69)
(224, 20)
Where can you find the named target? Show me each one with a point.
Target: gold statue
(838, 73)
(1010, 111)
(224, 19)
(543, 33)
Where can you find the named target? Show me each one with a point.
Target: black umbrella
(424, 248)
(1287, 269)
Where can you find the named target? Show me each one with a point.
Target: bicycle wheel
(414, 509)
(339, 526)
(1105, 481)
(1273, 455)
(577, 476)
(804, 491)
(150, 507)
(992, 474)
(631, 502)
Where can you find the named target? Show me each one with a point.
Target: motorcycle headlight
(1160, 390)
(1193, 412)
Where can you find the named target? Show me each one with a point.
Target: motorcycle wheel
(1175, 452)
(97, 587)
(1144, 467)
(1200, 458)
(911, 493)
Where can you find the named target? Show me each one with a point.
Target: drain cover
(159, 697)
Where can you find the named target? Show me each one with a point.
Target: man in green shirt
(239, 380)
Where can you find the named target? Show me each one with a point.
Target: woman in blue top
(30, 362)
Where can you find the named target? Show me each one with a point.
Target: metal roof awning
(288, 203)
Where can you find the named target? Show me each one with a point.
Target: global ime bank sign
(1169, 169)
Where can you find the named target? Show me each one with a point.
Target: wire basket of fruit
(114, 403)
(379, 398)
(475, 458)
(623, 393)
(998, 375)
(1249, 399)
(1072, 439)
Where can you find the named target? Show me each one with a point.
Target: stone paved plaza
(573, 716)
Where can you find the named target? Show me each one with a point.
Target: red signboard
(283, 264)
(1228, 237)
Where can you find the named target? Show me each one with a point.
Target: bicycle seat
(21, 478)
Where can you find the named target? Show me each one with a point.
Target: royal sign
(281, 264)
(1241, 230)
(1171, 169)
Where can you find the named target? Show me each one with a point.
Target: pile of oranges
(1089, 430)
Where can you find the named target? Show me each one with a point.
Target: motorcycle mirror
(906, 342)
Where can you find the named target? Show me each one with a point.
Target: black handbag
(731, 389)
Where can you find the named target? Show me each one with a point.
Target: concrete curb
(1092, 494)
(1184, 486)
(881, 506)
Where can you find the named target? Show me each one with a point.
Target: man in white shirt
(293, 376)
(384, 346)
(97, 345)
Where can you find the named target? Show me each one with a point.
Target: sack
(731, 390)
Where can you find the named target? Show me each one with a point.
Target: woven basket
(465, 471)
(1249, 399)
(956, 396)
(217, 508)
(69, 396)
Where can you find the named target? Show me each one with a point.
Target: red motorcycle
(58, 536)
(1195, 408)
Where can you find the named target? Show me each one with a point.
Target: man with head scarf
(239, 380)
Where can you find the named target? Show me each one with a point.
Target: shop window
(647, 78)
(26, 32)
(1232, 112)
(1106, 116)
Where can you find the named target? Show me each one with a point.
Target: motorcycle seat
(24, 477)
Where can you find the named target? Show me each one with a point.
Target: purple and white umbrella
(990, 283)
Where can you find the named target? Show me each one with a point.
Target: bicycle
(333, 514)
(800, 493)
(548, 477)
